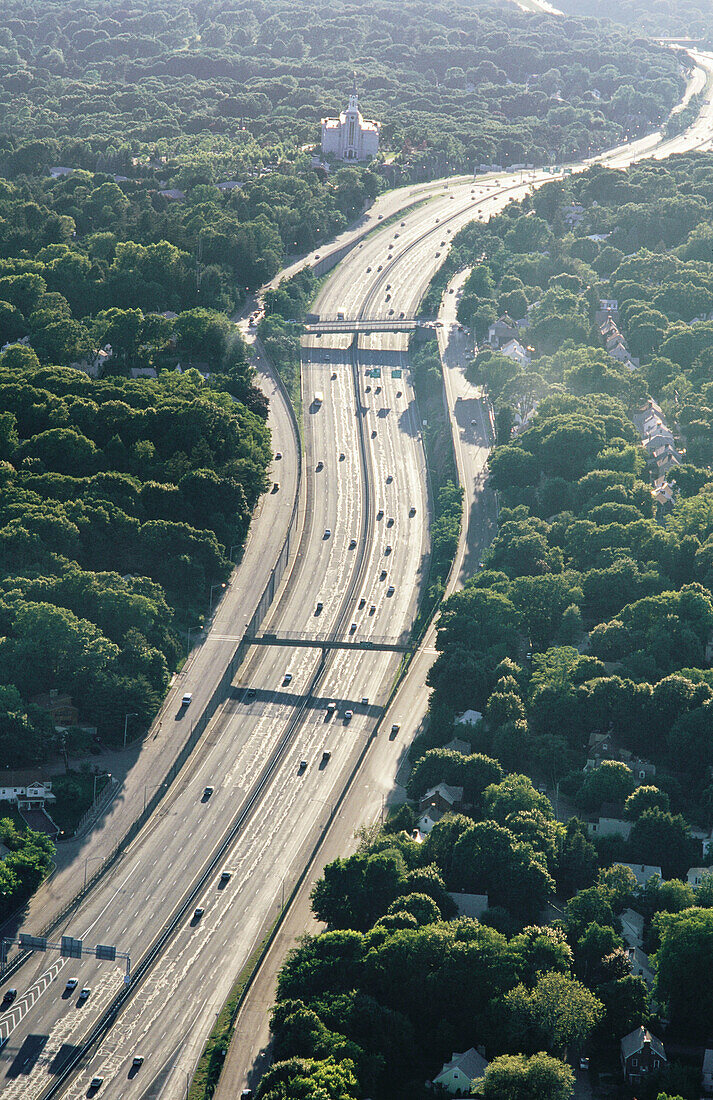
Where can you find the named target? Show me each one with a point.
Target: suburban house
(59, 706)
(663, 494)
(642, 871)
(695, 875)
(641, 1055)
(470, 905)
(632, 928)
(501, 331)
(641, 966)
(458, 1074)
(573, 213)
(443, 798)
(456, 745)
(31, 797)
(430, 817)
(514, 350)
(609, 822)
(708, 1071)
(469, 718)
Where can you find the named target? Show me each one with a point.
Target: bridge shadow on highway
(238, 701)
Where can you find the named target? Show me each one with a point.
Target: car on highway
(389, 478)
(373, 433)
(84, 993)
(96, 1083)
(380, 513)
(302, 767)
(437, 255)
(352, 544)
(276, 487)
(390, 590)
(137, 1061)
(412, 510)
(334, 375)
(198, 912)
(9, 997)
(319, 608)
(391, 313)
(382, 575)
(368, 270)
(398, 393)
(225, 876)
(342, 456)
(379, 267)
(390, 521)
(287, 678)
(403, 223)
(327, 533)
(388, 548)
(72, 983)
(331, 707)
(352, 628)
(250, 693)
(319, 466)
(278, 455)
(362, 602)
(186, 699)
(372, 609)
(326, 756)
(378, 389)
(207, 792)
(394, 730)
(473, 422)
(348, 715)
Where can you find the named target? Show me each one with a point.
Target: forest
(201, 92)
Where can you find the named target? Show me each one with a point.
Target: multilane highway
(270, 721)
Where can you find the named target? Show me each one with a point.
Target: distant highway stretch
(365, 467)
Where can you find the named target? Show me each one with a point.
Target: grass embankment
(280, 330)
(208, 1070)
(447, 494)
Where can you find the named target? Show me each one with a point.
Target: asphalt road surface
(277, 714)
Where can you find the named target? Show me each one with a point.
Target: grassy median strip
(210, 1065)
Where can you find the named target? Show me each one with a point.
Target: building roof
(470, 905)
(470, 1063)
(431, 813)
(642, 871)
(456, 745)
(447, 793)
(469, 718)
(634, 1042)
(708, 1061)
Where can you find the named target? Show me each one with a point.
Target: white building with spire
(350, 137)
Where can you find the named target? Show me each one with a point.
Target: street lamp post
(99, 775)
(188, 637)
(86, 861)
(221, 584)
(131, 714)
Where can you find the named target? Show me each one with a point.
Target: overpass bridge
(361, 324)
